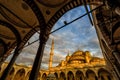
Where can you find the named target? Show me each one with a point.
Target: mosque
(20, 19)
(78, 66)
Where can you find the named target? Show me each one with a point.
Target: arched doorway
(44, 76)
(104, 74)
(10, 75)
(70, 76)
(20, 74)
(56, 75)
(62, 76)
(79, 75)
(91, 75)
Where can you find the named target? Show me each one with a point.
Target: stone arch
(104, 74)
(62, 76)
(44, 76)
(56, 75)
(20, 74)
(11, 73)
(90, 74)
(79, 75)
(27, 76)
(70, 76)
(70, 5)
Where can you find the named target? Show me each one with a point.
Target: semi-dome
(96, 59)
(77, 57)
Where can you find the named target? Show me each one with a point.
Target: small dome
(95, 59)
(78, 57)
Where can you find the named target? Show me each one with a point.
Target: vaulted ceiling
(20, 19)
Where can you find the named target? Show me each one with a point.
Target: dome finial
(68, 53)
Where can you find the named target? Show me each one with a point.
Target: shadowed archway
(104, 74)
(20, 74)
(56, 75)
(62, 76)
(90, 74)
(79, 75)
(44, 76)
(70, 76)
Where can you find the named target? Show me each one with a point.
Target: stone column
(9, 67)
(38, 59)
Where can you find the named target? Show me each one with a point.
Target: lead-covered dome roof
(78, 56)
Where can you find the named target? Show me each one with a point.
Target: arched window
(79, 75)
(104, 74)
(70, 76)
(56, 75)
(20, 75)
(44, 76)
(91, 75)
(62, 76)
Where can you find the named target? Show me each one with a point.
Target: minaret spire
(68, 53)
(51, 54)
(68, 56)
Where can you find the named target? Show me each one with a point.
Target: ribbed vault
(21, 19)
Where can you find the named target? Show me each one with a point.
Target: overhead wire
(87, 10)
(69, 23)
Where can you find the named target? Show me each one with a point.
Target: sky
(80, 35)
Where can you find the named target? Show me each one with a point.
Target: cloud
(78, 35)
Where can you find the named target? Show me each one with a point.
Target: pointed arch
(90, 74)
(20, 74)
(104, 74)
(44, 76)
(62, 76)
(79, 75)
(70, 75)
(56, 75)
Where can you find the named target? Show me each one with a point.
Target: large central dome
(77, 57)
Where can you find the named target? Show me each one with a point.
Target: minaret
(51, 54)
(68, 56)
